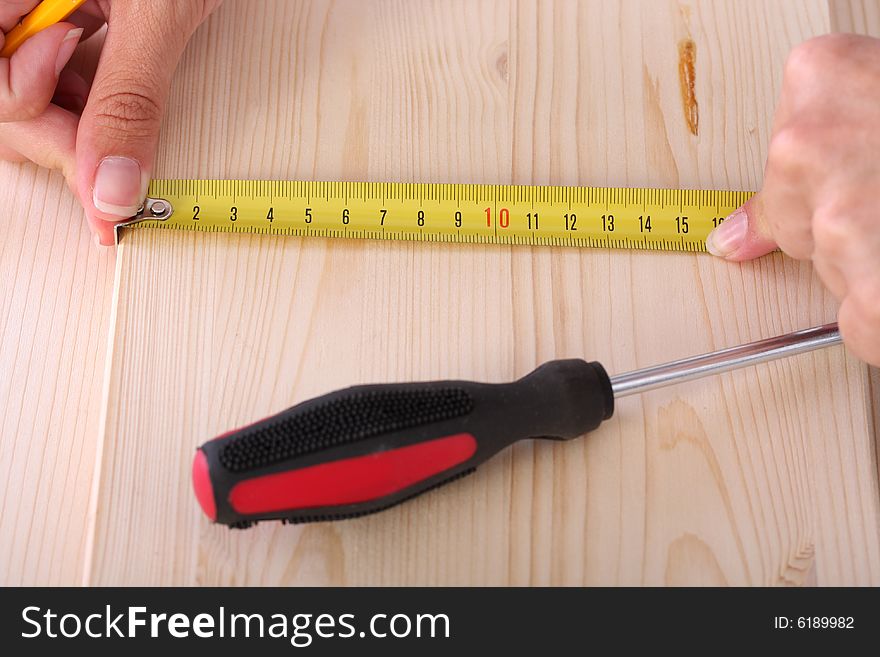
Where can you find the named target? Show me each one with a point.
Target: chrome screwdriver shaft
(716, 362)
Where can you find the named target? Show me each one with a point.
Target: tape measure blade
(581, 217)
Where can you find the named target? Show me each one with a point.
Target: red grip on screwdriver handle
(366, 448)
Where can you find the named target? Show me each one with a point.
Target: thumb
(119, 129)
(743, 235)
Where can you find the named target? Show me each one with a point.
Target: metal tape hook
(153, 209)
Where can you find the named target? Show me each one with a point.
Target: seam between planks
(92, 517)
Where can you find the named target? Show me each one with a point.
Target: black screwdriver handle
(366, 448)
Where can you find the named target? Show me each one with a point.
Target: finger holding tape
(28, 78)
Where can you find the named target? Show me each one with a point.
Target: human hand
(819, 199)
(102, 133)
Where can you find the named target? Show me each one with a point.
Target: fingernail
(120, 187)
(728, 237)
(97, 240)
(65, 52)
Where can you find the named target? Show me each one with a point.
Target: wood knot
(687, 76)
(501, 65)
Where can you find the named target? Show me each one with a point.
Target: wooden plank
(740, 88)
(862, 17)
(54, 308)
(857, 16)
(55, 292)
(764, 476)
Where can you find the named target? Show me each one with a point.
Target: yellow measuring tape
(618, 218)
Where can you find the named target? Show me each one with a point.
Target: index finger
(48, 141)
(11, 12)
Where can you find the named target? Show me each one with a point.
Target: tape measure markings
(597, 217)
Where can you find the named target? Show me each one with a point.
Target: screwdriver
(363, 449)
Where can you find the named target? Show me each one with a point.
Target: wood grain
(764, 476)
(862, 17)
(54, 306)
(857, 16)
(55, 292)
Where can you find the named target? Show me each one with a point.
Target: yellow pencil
(47, 13)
